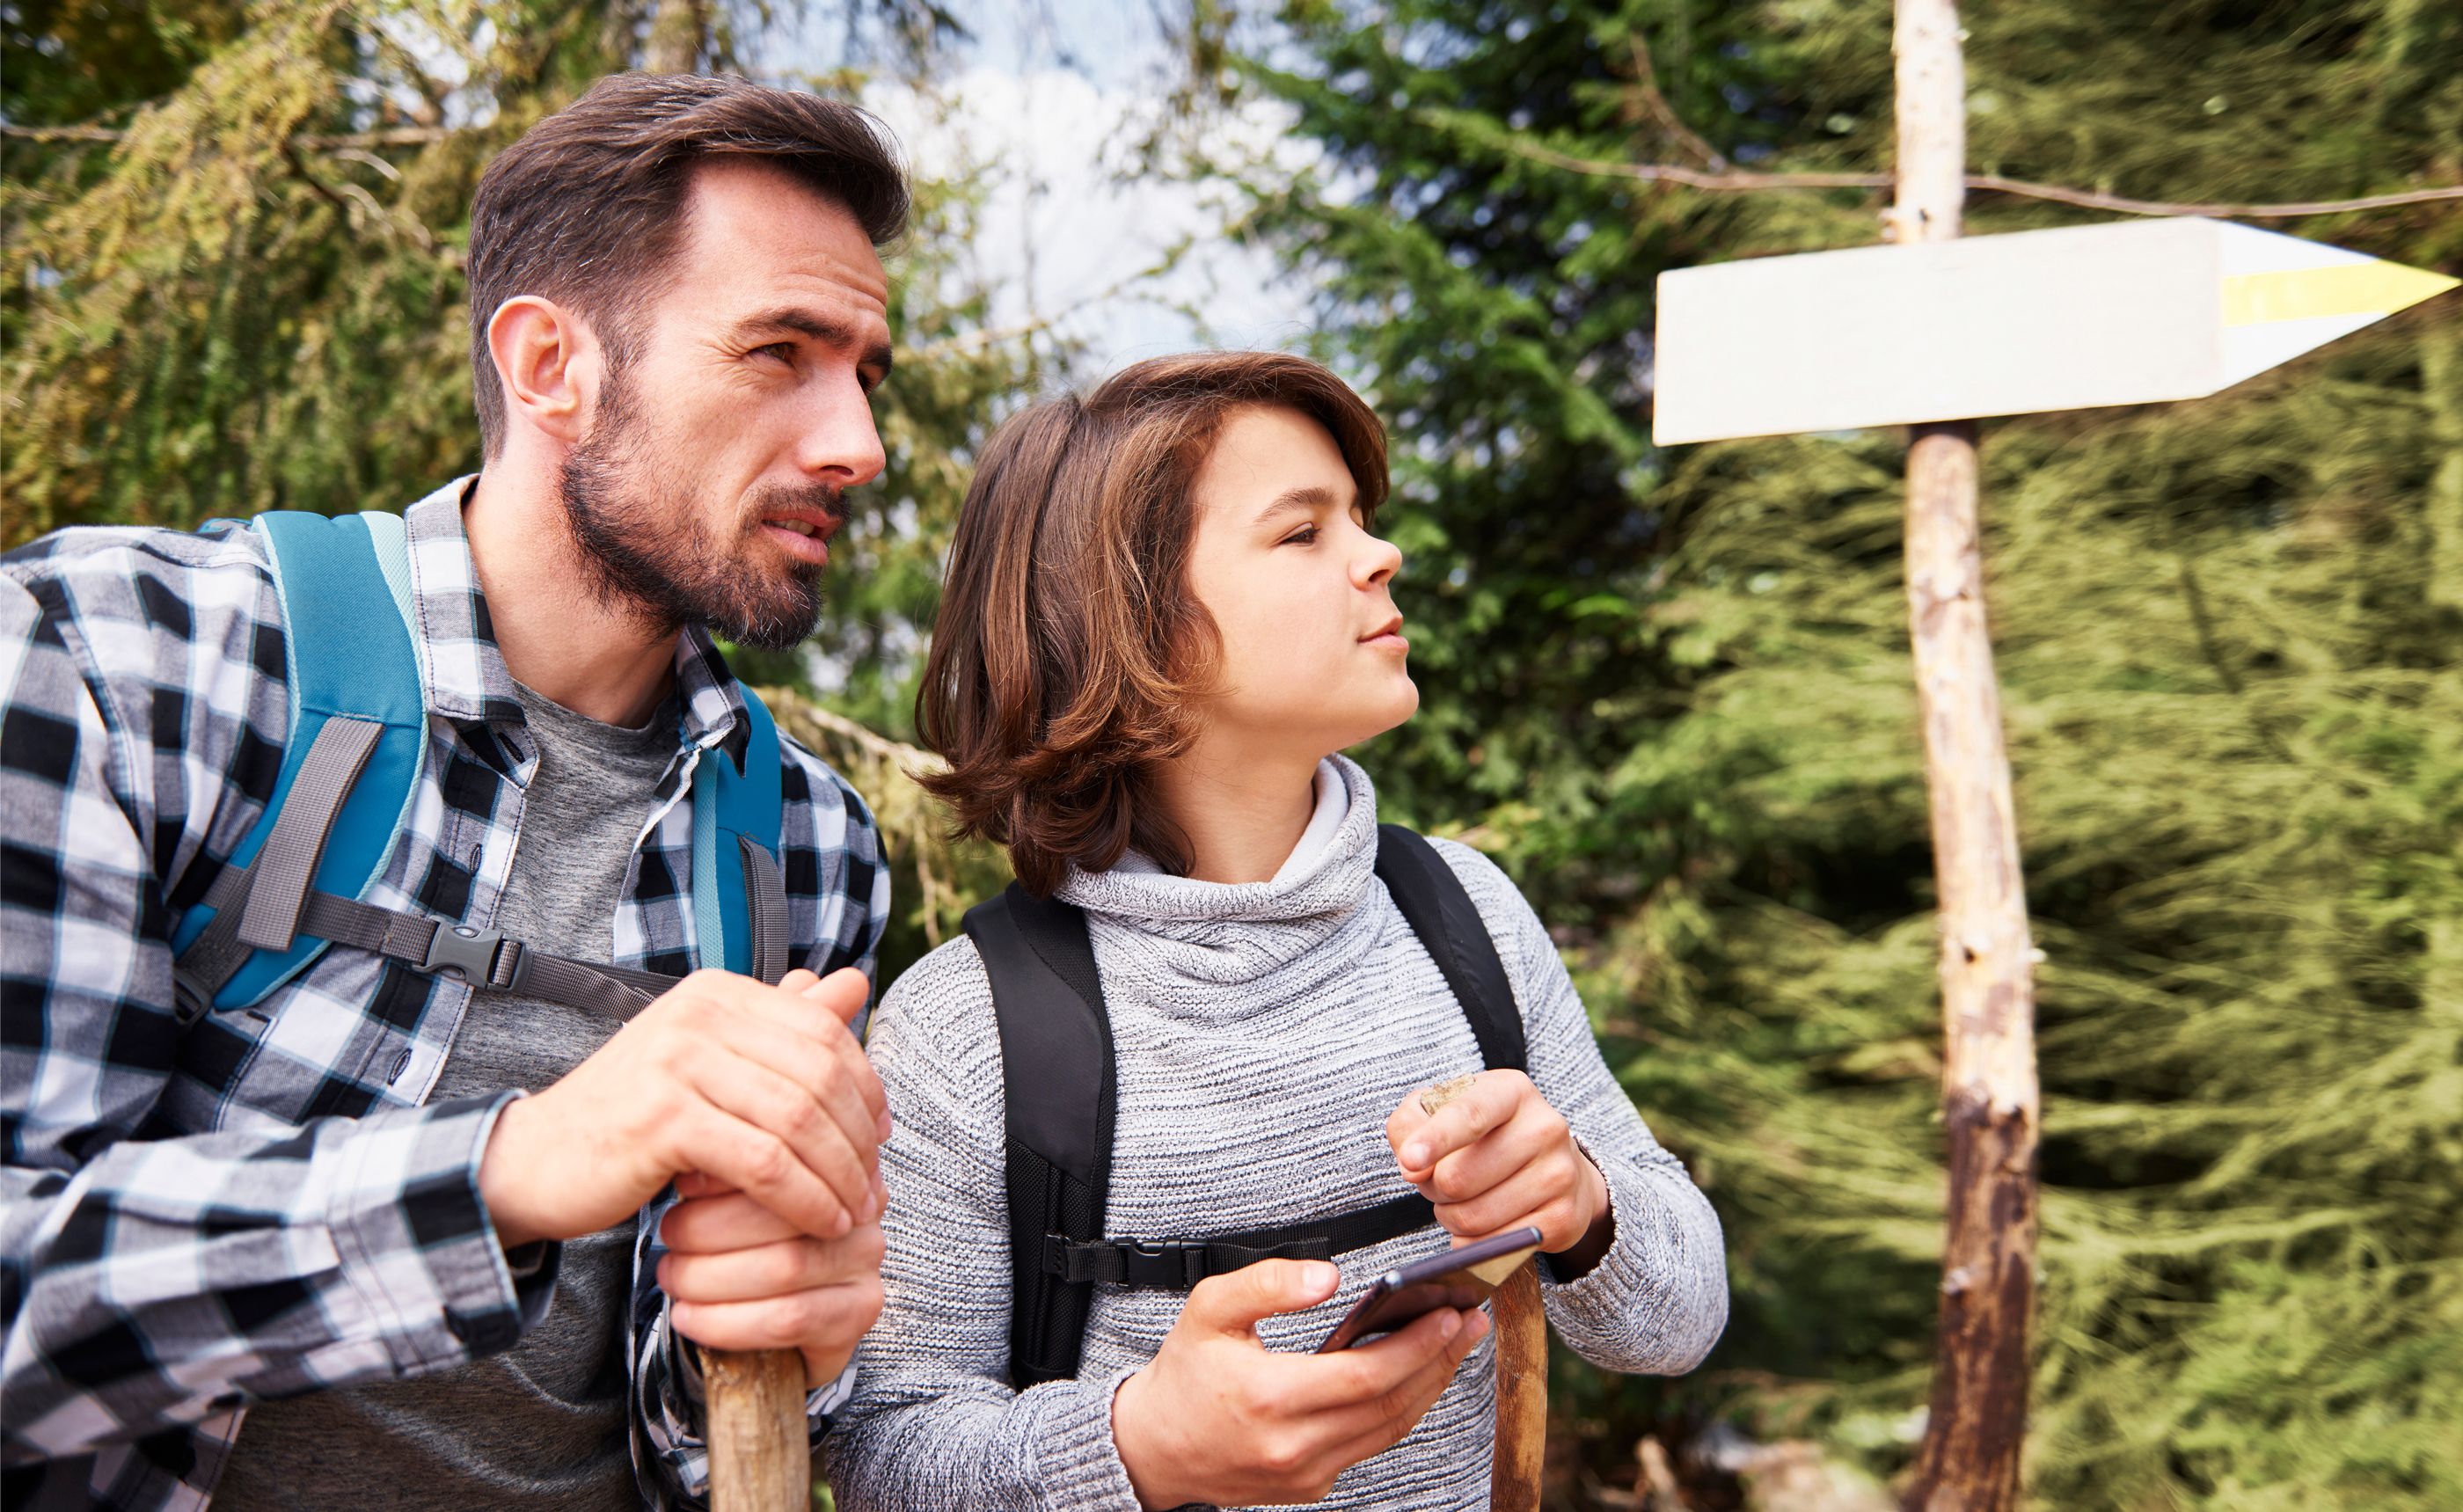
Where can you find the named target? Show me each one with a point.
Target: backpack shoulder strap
(738, 887)
(1059, 1094)
(351, 759)
(351, 763)
(1441, 914)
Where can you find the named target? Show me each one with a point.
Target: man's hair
(1069, 651)
(587, 207)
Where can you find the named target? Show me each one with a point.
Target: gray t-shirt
(542, 1425)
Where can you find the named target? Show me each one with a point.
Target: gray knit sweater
(1264, 1032)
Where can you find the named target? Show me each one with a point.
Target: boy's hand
(1217, 1417)
(1498, 1157)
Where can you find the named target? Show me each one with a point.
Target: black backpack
(1057, 1076)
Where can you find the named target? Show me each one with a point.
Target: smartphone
(1443, 1279)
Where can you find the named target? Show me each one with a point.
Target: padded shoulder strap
(1441, 914)
(1059, 1082)
(342, 584)
(739, 899)
(1056, 1078)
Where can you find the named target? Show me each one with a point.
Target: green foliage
(1670, 691)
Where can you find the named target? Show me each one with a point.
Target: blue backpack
(349, 768)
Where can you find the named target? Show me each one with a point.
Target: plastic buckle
(1169, 1267)
(460, 947)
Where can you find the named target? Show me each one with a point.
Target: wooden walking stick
(1521, 1324)
(759, 1458)
(1521, 1393)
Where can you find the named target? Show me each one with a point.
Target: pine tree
(1670, 690)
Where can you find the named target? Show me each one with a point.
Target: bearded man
(388, 1232)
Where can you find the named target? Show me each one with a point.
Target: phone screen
(1442, 1280)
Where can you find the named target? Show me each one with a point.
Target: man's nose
(840, 443)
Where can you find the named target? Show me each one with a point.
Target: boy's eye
(1300, 536)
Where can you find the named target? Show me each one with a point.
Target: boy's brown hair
(1069, 653)
(587, 206)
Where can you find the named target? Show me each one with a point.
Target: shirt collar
(462, 671)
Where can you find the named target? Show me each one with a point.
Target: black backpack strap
(1058, 1090)
(1441, 914)
(1172, 1265)
(1061, 1097)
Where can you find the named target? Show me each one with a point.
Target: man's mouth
(803, 535)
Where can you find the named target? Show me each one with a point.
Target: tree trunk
(2441, 383)
(1969, 1459)
(678, 30)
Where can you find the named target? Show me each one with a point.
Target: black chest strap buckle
(1177, 1266)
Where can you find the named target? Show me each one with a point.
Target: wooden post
(1969, 1457)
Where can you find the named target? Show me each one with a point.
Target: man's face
(711, 480)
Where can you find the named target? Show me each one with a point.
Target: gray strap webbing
(764, 902)
(482, 958)
(270, 902)
(286, 867)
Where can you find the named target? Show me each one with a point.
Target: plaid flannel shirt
(264, 1204)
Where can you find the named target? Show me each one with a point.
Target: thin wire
(1991, 183)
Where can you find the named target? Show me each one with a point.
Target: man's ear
(549, 363)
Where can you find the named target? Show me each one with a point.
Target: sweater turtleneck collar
(1321, 890)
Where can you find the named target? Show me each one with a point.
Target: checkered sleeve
(837, 903)
(149, 1280)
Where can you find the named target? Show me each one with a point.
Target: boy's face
(710, 481)
(1311, 656)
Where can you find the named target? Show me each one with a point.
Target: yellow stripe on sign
(2308, 294)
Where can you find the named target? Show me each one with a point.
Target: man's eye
(783, 351)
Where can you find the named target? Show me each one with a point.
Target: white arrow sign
(2125, 314)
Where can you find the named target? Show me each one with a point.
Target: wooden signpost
(1932, 333)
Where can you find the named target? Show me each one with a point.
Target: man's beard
(647, 546)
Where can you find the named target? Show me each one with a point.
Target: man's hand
(739, 1276)
(1498, 1157)
(1217, 1417)
(763, 1088)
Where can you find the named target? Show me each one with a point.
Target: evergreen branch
(1654, 103)
(356, 140)
(345, 197)
(1744, 182)
(871, 742)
